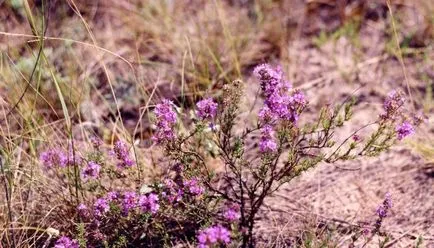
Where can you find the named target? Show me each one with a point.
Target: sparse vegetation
(142, 124)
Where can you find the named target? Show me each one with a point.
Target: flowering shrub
(216, 207)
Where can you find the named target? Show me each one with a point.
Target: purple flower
(382, 212)
(111, 196)
(270, 78)
(232, 213)
(213, 235)
(65, 242)
(404, 130)
(120, 150)
(394, 101)
(101, 206)
(129, 201)
(267, 143)
(266, 115)
(193, 186)
(356, 138)
(164, 111)
(280, 103)
(53, 157)
(166, 119)
(173, 193)
(206, 108)
(91, 170)
(149, 203)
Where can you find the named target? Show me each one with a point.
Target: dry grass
(104, 63)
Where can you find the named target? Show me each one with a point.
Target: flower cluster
(392, 105)
(267, 142)
(101, 207)
(382, 212)
(172, 191)
(281, 103)
(206, 108)
(404, 129)
(91, 170)
(166, 119)
(120, 150)
(213, 235)
(383, 209)
(194, 187)
(53, 157)
(112, 195)
(271, 80)
(149, 203)
(129, 201)
(232, 213)
(65, 242)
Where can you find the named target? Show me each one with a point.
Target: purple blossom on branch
(266, 115)
(213, 235)
(112, 195)
(206, 108)
(65, 242)
(405, 129)
(53, 157)
(166, 119)
(120, 150)
(271, 80)
(96, 142)
(101, 206)
(149, 203)
(267, 143)
(382, 212)
(232, 213)
(280, 101)
(194, 187)
(91, 170)
(394, 101)
(356, 138)
(172, 191)
(129, 201)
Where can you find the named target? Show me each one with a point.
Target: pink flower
(206, 108)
